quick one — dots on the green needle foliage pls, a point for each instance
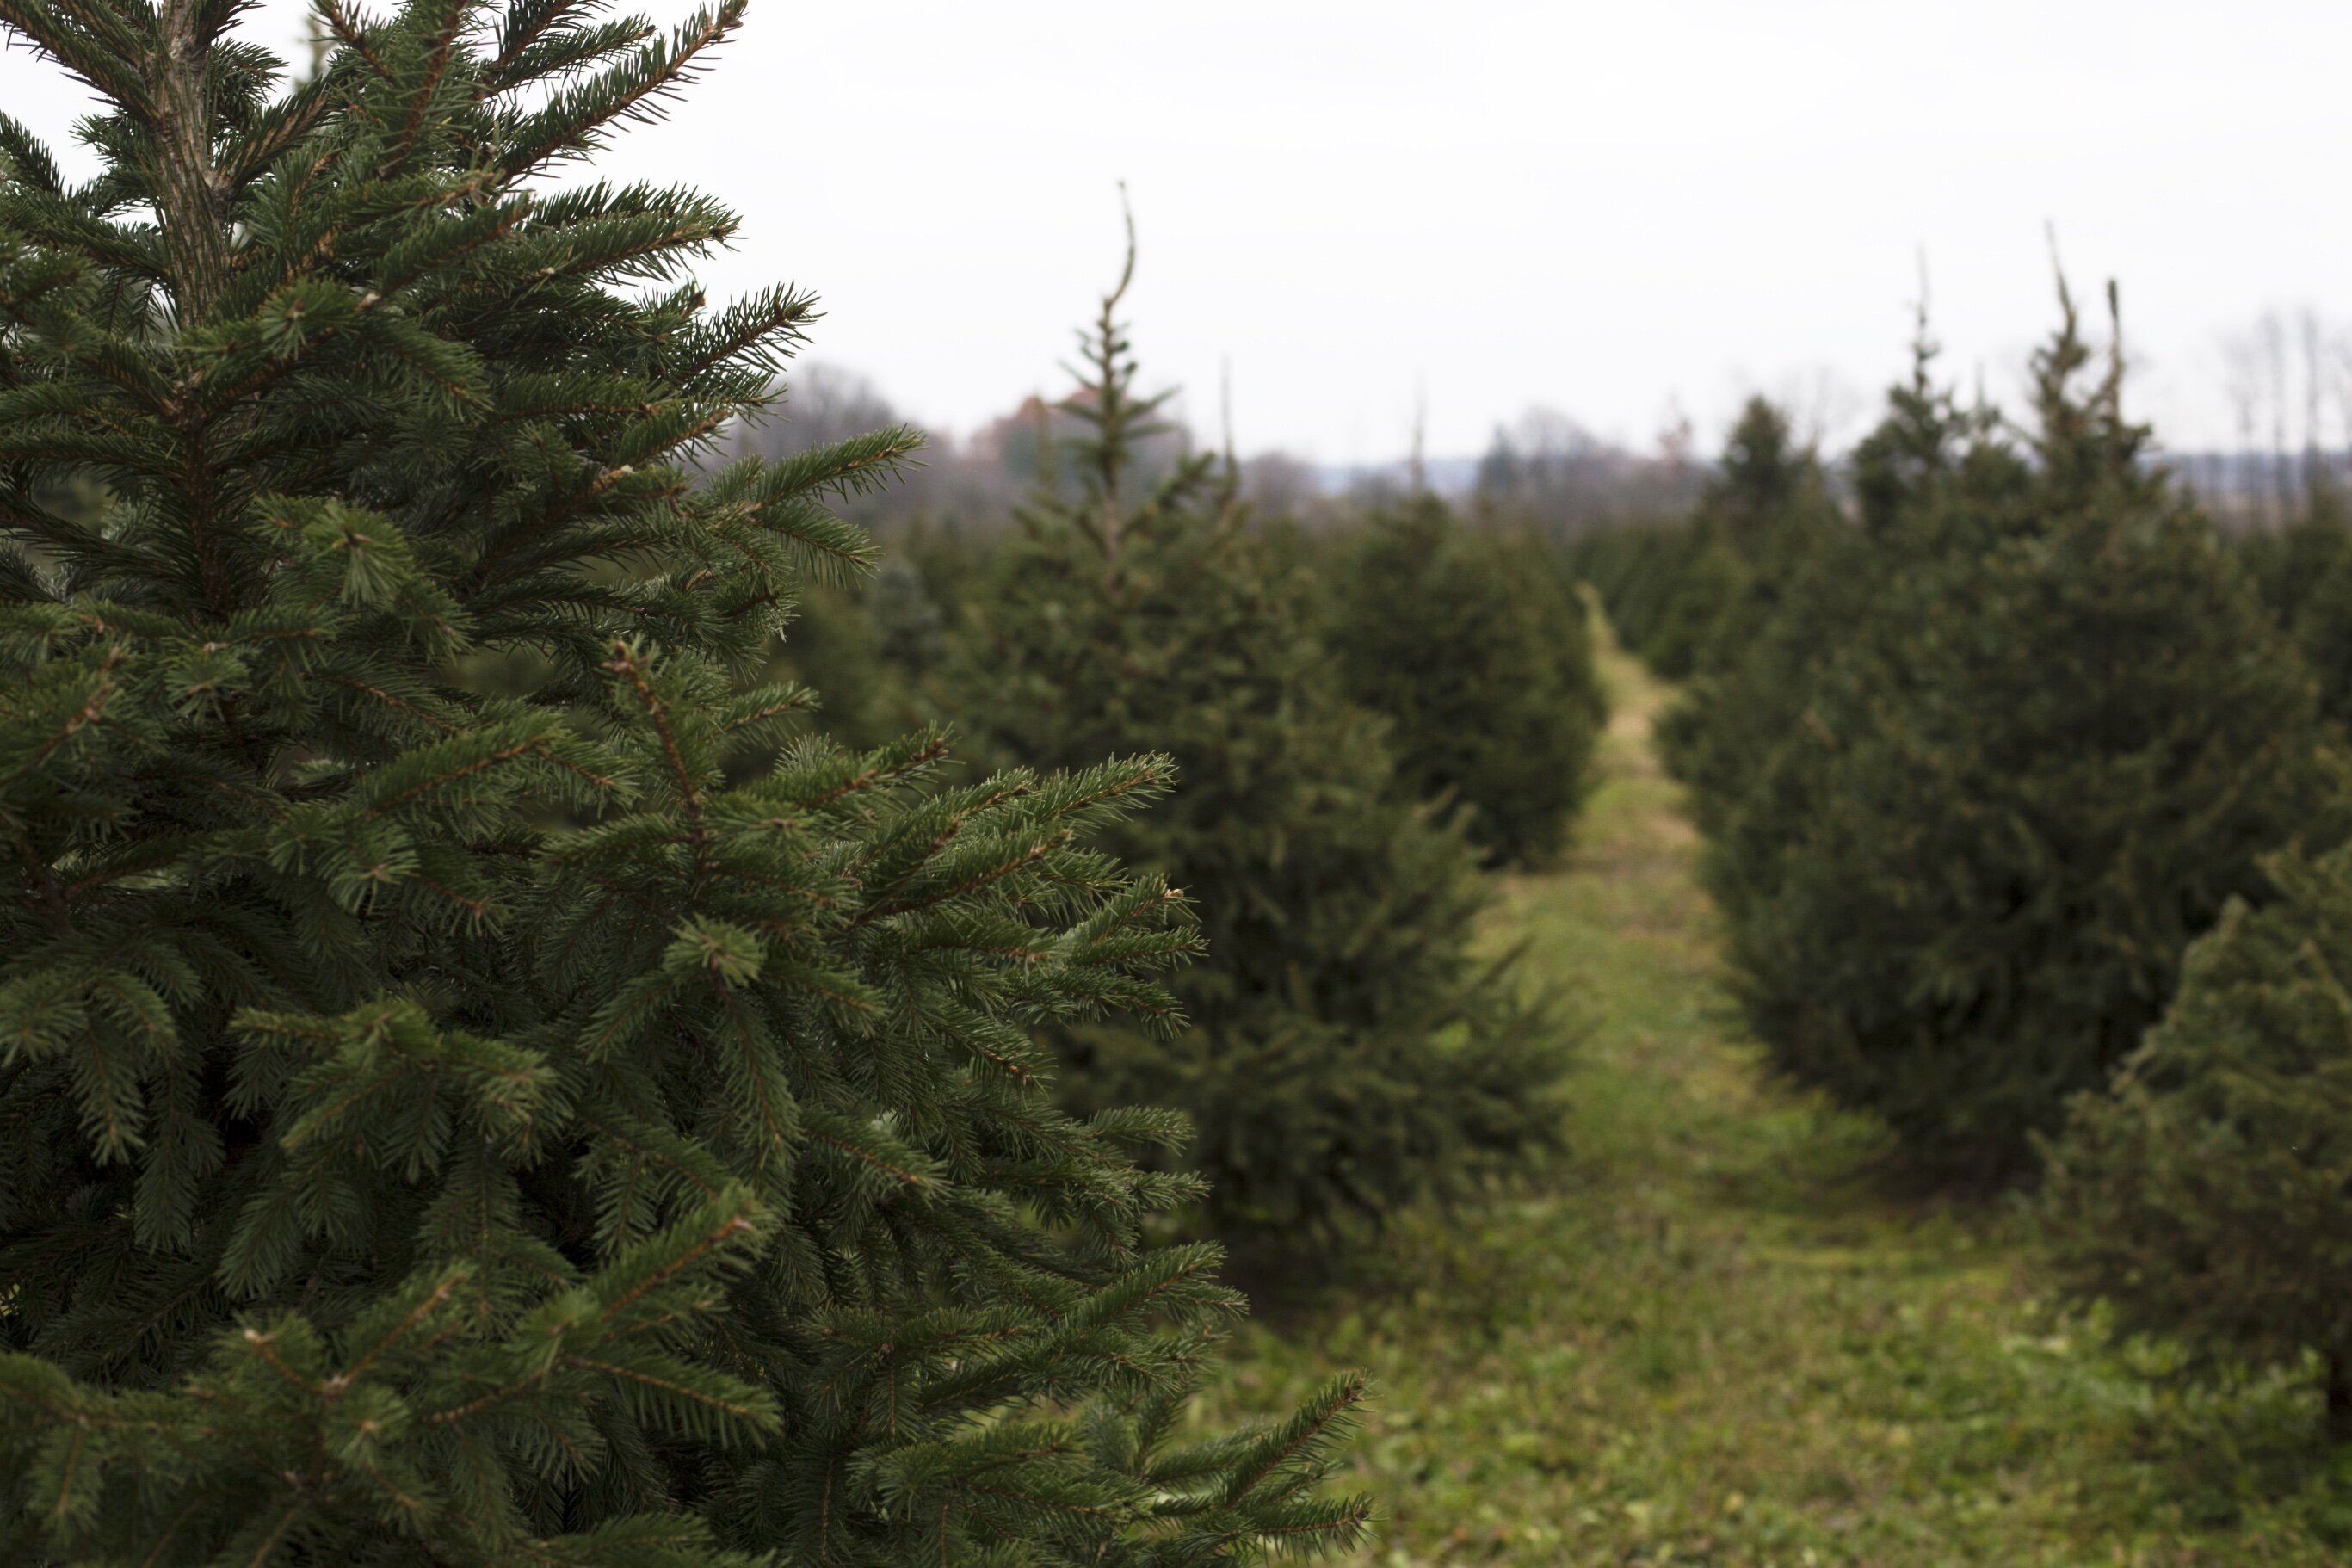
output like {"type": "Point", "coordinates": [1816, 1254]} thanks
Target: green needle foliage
{"type": "Point", "coordinates": [2003, 752]}
{"type": "Point", "coordinates": [1690, 596]}
{"type": "Point", "coordinates": [1805, 615]}
{"type": "Point", "coordinates": [1475, 650]}
{"type": "Point", "coordinates": [446, 1126]}
{"type": "Point", "coordinates": [2210, 1197]}
{"type": "Point", "coordinates": [1346, 1052]}
{"type": "Point", "coordinates": [1761, 516]}
{"type": "Point", "coordinates": [2304, 572]}
{"type": "Point", "coordinates": [1636, 568]}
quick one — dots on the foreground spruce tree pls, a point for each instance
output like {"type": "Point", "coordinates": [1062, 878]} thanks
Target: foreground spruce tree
{"type": "Point", "coordinates": [450, 1128]}
{"type": "Point", "coordinates": [1346, 1051]}
{"type": "Point", "coordinates": [2052, 732]}
{"type": "Point", "coordinates": [1472, 648]}
{"type": "Point", "coordinates": [2210, 1197]}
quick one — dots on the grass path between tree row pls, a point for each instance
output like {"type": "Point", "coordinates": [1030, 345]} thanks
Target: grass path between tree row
{"type": "Point", "coordinates": [1707, 1340]}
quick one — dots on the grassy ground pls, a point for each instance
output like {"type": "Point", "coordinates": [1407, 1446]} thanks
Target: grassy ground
{"type": "Point", "coordinates": [1709, 1342]}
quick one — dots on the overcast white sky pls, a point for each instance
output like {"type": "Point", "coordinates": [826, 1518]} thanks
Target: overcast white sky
{"type": "Point", "coordinates": [1606, 209]}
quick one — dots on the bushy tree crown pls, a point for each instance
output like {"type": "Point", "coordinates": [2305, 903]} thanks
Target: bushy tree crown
{"type": "Point", "coordinates": [443, 1120]}
{"type": "Point", "coordinates": [1472, 646]}
{"type": "Point", "coordinates": [2208, 1198]}
{"type": "Point", "coordinates": [1998, 759]}
{"type": "Point", "coordinates": [1347, 1050]}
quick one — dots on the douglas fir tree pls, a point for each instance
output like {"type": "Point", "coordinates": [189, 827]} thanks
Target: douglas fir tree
{"type": "Point", "coordinates": [453, 1128]}
{"type": "Point", "coordinates": [1346, 1051]}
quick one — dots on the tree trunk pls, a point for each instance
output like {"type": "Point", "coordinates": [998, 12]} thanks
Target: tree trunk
{"type": "Point", "coordinates": [188, 186]}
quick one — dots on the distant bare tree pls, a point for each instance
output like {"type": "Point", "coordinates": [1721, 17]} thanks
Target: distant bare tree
{"type": "Point", "coordinates": [1821, 405]}
{"type": "Point", "coordinates": [1276, 484]}
{"type": "Point", "coordinates": [972, 485]}
{"type": "Point", "coordinates": [2314, 376]}
{"type": "Point", "coordinates": [2243, 381]}
{"type": "Point", "coordinates": [1554, 472]}
{"type": "Point", "coordinates": [2340, 379]}
{"type": "Point", "coordinates": [2285, 369]}
{"type": "Point", "coordinates": [2274, 350]}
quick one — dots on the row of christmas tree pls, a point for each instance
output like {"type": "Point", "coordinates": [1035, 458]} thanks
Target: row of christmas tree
{"type": "Point", "coordinates": [1358, 721]}
{"type": "Point", "coordinates": [2025, 815]}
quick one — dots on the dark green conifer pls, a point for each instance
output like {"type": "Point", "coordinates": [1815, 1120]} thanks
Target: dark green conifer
{"type": "Point", "coordinates": [2304, 572]}
{"type": "Point", "coordinates": [1805, 609]}
{"type": "Point", "coordinates": [450, 1126]}
{"type": "Point", "coordinates": [1472, 646]}
{"type": "Point", "coordinates": [2050, 736]}
{"type": "Point", "coordinates": [2288, 565]}
{"type": "Point", "coordinates": [1347, 1050]}
{"type": "Point", "coordinates": [1765, 476]}
{"type": "Point", "coordinates": [2209, 1196]}
{"type": "Point", "coordinates": [865, 647]}
{"type": "Point", "coordinates": [1706, 581]}
{"type": "Point", "coordinates": [1750, 528]}
{"type": "Point", "coordinates": [1635, 568]}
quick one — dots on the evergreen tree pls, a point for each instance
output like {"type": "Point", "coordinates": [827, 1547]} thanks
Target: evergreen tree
{"type": "Point", "coordinates": [1475, 650]}
{"type": "Point", "coordinates": [2210, 1197]}
{"type": "Point", "coordinates": [2322, 630]}
{"type": "Point", "coordinates": [440, 1125]}
{"type": "Point", "coordinates": [1635, 568]}
{"type": "Point", "coordinates": [1751, 525]}
{"type": "Point", "coordinates": [1919, 447]}
{"type": "Point", "coordinates": [2288, 565]}
{"type": "Point", "coordinates": [2054, 735]}
{"type": "Point", "coordinates": [1768, 506]}
{"type": "Point", "coordinates": [1765, 476]}
{"type": "Point", "coordinates": [1706, 581]}
{"type": "Point", "coordinates": [1346, 1051]}
{"type": "Point", "coordinates": [2304, 572]}
{"type": "Point", "coordinates": [1807, 608]}
{"type": "Point", "coordinates": [866, 646]}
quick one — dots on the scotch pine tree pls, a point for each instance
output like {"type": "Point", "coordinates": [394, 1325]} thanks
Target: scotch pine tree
{"type": "Point", "coordinates": [456, 1127]}
{"type": "Point", "coordinates": [2209, 1197]}
{"type": "Point", "coordinates": [1346, 1051]}
{"type": "Point", "coordinates": [2052, 735]}
{"type": "Point", "coordinates": [1472, 648]}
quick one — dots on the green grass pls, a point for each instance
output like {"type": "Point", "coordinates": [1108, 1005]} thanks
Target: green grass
{"type": "Point", "coordinates": [1711, 1340]}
